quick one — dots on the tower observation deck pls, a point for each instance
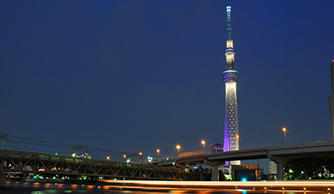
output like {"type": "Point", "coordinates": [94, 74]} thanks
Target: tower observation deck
{"type": "Point", "coordinates": [230, 75]}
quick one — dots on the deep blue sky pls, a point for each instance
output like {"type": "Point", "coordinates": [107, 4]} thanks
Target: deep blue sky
{"type": "Point", "coordinates": [134, 75]}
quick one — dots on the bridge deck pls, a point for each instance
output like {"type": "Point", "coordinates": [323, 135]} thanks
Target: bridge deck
{"type": "Point", "coordinates": [27, 163]}
{"type": "Point", "coordinates": [291, 151]}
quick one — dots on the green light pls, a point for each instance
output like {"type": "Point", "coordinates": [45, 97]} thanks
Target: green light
{"type": "Point", "coordinates": [291, 171]}
{"type": "Point", "coordinates": [84, 177]}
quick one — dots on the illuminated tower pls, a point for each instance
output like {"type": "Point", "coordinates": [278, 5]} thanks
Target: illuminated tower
{"type": "Point", "coordinates": [331, 100]}
{"type": "Point", "coordinates": [231, 135]}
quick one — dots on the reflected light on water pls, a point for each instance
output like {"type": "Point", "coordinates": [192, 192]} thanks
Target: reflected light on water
{"type": "Point", "coordinates": [90, 186]}
{"type": "Point", "coordinates": [106, 187]}
{"type": "Point", "coordinates": [74, 186]}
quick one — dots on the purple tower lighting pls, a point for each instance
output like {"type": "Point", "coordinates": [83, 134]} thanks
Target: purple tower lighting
{"type": "Point", "coordinates": [231, 133]}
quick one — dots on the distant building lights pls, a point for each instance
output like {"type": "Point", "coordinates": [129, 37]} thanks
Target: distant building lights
{"type": "Point", "coordinates": [149, 158]}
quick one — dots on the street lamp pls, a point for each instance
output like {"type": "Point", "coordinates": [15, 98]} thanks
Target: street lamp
{"type": "Point", "coordinates": [108, 158]}
{"type": "Point", "coordinates": [284, 131]}
{"type": "Point", "coordinates": [124, 156]}
{"type": "Point", "coordinates": [178, 147]}
{"type": "Point", "coordinates": [158, 152]}
{"type": "Point", "coordinates": [203, 143]}
{"type": "Point", "coordinates": [140, 157]}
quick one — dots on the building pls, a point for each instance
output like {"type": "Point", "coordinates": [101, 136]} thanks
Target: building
{"type": "Point", "coordinates": [218, 147]}
{"type": "Point", "coordinates": [244, 174]}
{"type": "Point", "coordinates": [230, 75]}
{"type": "Point", "coordinates": [254, 167]}
{"type": "Point", "coordinates": [272, 168]}
{"type": "Point", "coordinates": [331, 100]}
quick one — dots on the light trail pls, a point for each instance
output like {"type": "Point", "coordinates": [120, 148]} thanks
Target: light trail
{"type": "Point", "coordinates": [321, 183]}
{"type": "Point", "coordinates": [267, 186]}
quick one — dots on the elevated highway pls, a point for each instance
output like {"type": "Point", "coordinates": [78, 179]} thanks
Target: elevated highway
{"type": "Point", "coordinates": [279, 154]}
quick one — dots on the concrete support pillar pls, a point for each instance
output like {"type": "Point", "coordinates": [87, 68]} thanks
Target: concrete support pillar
{"type": "Point", "coordinates": [2, 179]}
{"type": "Point", "coordinates": [280, 168]}
{"type": "Point", "coordinates": [215, 173]}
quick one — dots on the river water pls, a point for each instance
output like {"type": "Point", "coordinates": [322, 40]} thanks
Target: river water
{"type": "Point", "coordinates": [90, 191]}
{"type": "Point", "coordinates": [54, 188]}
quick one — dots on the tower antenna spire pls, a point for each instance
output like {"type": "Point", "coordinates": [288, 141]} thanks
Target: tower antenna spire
{"type": "Point", "coordinates": [229, 22]}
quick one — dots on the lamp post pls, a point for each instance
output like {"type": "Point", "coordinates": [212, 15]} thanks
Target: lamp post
{"type": "Point", "coordinates": [124, 156]}
{"type": "Point", "coordinates": [178, 147]}
{"type": "Point", "coordinates": [203, 143]}
{"type": "Point", "coordinates": [158, 153]}
{"type": "Point", "coordinates": [140, 157]}
{"type": "Point", "coordinates": [284, 131]}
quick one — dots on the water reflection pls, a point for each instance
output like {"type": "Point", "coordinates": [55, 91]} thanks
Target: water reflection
{"type": "Point", "coordinates": [54, 188]}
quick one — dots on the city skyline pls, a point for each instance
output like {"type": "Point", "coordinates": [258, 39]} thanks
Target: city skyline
{"type": "Point", "coordinates": [93, 73]}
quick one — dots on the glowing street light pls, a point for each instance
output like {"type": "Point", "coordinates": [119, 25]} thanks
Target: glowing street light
{"type": "Point", "coordinates": [140, 157]}
{"type": "Point", "coordinates": [124, 156]}
{"type": "Point", "coordinates": [203, 143]}
{"type": "Point", "coordinates": [178, 147]}
{"type": "Point", "coordinates": [108, 157]}
{"type": "Point", "coordinates": [158, 152]}
{"type": "Point", "coordinates": [284, 131]}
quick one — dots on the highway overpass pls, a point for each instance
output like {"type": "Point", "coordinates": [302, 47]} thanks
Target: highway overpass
{"type": "Point", "coordinates": [279, 154]}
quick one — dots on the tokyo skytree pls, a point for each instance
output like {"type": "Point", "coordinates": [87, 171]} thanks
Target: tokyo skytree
{"type": "Point", "coordinates": [231, 133]}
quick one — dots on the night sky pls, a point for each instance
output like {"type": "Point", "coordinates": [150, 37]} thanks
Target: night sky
{"type": "Point", "coordinates": [136, 75]}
